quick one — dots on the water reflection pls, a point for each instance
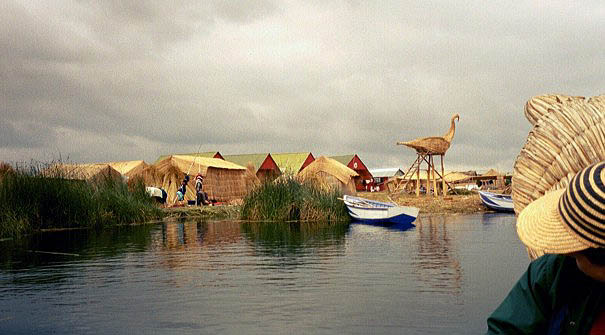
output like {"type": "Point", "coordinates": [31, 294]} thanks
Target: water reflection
{"type": "Point", "coordinates": [436, 264]}
{"type": "Point", "coordinates": [194, 276]}
{"type": "Point", "coordinates": [61, 247]}
{"type": "Point", "coordinates": [292, 237]}
{"type": "Point", "coordinates": [196, 244]}
{"type": "Point", "coordinates": [497, 218]}
{"type": "Point", "coordinates": [288, 244]}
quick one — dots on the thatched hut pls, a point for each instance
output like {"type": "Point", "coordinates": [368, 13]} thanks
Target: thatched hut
{"type": "Point", "coordinates": [355, 163]}
{"type": "Point", "coordinates": [88, 172]}
{"type": "Point", "coordinates": [492, 179]}
{"type": "Point", "coordinates": [329, 173]}
{"type": "Point", "coordinates": [128, 168]}
{"type": "Point", "coordinates": [207, 154]}
{"type": "Point", "coordinates": [223, 181]}
{"type": "Point", "coordinates": [460, 180]}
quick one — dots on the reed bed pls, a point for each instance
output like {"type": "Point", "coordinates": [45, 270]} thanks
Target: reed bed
{"type": "Point", "coordinates": [31, 200]}
{"type": "Point", "coordinates": [288, 199]}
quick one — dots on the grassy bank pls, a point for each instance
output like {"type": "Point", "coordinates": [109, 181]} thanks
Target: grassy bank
{"type": "Point", "coordinates": [288, 199]}
{"type": "Point", "coordinates": [30, 201]}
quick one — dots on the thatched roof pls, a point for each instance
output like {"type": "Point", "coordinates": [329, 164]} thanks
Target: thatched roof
{"type": "Point", "coordinates": [456, 177]}
{"type": "Point", "coordinates": [127, 167]}
{"type": "Point", "coordinates": [422, 175]}
{"type": "Point", "coordinates": [291, 162]}
{"type": "Point", "coordinates": [330, 173]}
{"type": "Point", "coordinates": [88, 172]}
{"type": "Point", "coordinates": [493, 173]}
{"type": "Point", "coordinates": [331, 166]}
{"type": "Point", "coordinates": [208, 154]}
{"type": "Point", "coordinates": [193, 163]}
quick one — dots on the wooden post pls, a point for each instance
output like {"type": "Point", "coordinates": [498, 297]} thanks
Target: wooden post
{"type": "Point", "coordinates": [418, 177]}
{"type": "Point", "coordinates": [428, 177]}
{"type": "Point", "coordinates": [443, 177]}
{"type": "Point", "coordinates": [434, 178]}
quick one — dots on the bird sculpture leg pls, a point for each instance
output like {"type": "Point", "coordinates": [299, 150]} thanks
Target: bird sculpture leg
{"type": "Point", "coordinates": [434, 179]}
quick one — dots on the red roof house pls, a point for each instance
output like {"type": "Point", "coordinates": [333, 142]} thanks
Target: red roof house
{"type": "Point", "coordinates": [354, 162]}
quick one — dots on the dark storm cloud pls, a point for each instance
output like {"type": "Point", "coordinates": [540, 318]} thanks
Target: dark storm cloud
{"type": "Point", "coordinates": [116, 80]}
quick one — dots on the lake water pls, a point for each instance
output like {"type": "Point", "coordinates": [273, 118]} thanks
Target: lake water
{"type": "Point", "coordinates": [444, 276]}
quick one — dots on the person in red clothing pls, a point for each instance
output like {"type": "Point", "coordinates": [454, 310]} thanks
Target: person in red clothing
{"type": "Point", "coordinates": [562, 292]}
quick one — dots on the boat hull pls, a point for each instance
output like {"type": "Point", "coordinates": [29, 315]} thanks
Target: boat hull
{"type": "Point", "coordinates": [497, 202]}
{"type": "Point", "coordinates": [376, 212]}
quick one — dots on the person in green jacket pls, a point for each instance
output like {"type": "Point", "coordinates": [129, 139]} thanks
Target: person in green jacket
{"type": "Point", "coordinates": [562, 292]}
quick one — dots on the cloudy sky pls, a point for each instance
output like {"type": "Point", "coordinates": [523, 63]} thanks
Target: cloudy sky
{"type": "Point", "coordinates": [92, 81]}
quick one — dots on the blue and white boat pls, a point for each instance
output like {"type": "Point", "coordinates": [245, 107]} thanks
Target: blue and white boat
{"type": "Point", "coordinates": [496, 201]}
{"type": "Point", "coordinates": [377, 212]}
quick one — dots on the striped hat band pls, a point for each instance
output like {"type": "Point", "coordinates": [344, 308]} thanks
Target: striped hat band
{"type": "Point", "coordinates": [582, 206]}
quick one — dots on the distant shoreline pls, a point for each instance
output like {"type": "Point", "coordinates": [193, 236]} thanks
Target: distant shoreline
{"type": "Point", "coordinates": [451, 204]}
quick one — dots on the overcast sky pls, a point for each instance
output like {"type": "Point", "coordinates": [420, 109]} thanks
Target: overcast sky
{"type": "Point", "coordinates": [92, 81]}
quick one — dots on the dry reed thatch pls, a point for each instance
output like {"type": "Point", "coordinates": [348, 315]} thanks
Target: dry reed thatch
{"type": "Point", "coordinates": [568, 135]}
{"type": "Point", "coordinates": [89, 172]}
{"type": "Point", "coordinates": [328, 174]}
{"type": "Point", "coordinates": [436, 145]}
{"type": "Point", "coordinates": [127, 168]}
{"type": "Point", "coordinates": [250, 178]}
{"type": "Point", "coordinates": [492, 173]}
{"type": "Point", "coordinates": [223, 181]}
{"type": "Point", "coordinates": [456, 177]}
{"type": "Point", "coordinates": [5, 169]}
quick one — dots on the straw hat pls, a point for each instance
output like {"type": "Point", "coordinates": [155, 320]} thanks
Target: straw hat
{"type": "Point", "coordinates": [567, 220]}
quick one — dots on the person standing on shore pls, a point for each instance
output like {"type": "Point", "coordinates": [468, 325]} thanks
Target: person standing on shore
{"type": "Point", "coordinates": [201, 198]}
{"type": "Point", "coordinates": [182, 190]}
{"type": "Point", "coordinates": [562, 292]}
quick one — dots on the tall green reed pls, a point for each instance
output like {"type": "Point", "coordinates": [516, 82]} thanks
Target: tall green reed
{"type": "Point", "coordinates": [31, 200]}
{"type": "Point", "coordinates": [287, 199]}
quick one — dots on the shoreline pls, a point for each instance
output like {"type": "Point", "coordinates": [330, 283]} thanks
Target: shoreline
{"type": "Point", "coordinates": [449, 205]}
{"type": "Point", "coordinates": [429, 206]}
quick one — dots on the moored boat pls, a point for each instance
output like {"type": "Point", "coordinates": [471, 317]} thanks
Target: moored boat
{"type": "Point", "coordinates": [378, 212]}
{"type": "Point", "coordinates": [496, 201]}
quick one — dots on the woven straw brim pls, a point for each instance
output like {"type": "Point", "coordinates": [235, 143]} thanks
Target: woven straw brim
{"type": "Point", "coordinates": [540, 227]}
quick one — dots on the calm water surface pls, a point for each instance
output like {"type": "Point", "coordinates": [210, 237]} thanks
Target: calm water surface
{"type": "Point", "coordinates": [443, 276]}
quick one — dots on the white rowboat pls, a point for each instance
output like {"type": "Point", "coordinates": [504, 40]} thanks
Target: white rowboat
{"type": "Point", "coordinates": [373, 212]}
{"type": "Point", "coordinates": [497, 202]}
